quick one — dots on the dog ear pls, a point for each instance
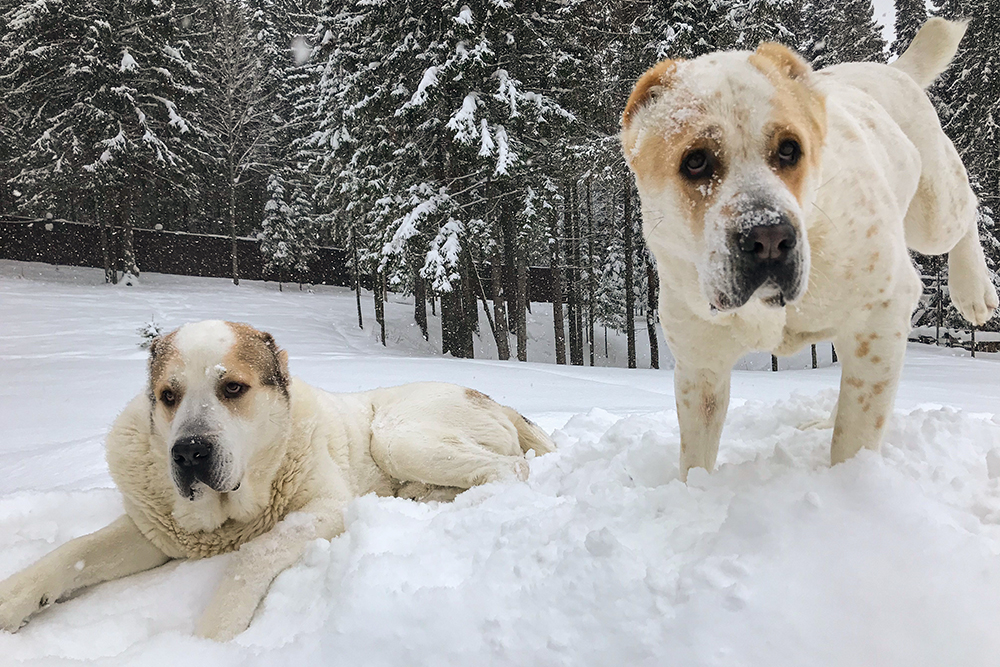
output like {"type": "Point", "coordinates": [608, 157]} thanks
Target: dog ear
{"type": "Point", "coordinates": [280, 371]}
{"type": "Point", "coordinates": [656, 78]}
{"type": "Point", "coordinates": [786, 61]}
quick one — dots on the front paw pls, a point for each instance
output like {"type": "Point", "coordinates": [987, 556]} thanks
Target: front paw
{"type": "Point", "coordinates": [224, 619]}
{"type": "Point", "coordinates": [20, 597]}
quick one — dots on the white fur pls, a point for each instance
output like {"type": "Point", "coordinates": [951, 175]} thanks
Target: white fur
{"type": "Point", "coordinates": [889, 178]}
{"type": "Point", "coordinates": [427, 440]}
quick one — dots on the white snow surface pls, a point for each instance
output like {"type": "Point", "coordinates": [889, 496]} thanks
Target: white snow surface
{"type": "Point", "coordinates": [603, 557]}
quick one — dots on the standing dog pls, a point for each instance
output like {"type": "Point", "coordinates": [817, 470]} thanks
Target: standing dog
{"type": "Point", "coordinates": [779, 203]}
{"type": "Point", "coordinates": [226, 452]}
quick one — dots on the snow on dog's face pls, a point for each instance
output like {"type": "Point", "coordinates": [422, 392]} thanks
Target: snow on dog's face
{"type": "Point", "coordinates": [219, 394]}
{"type": "Point", "coordinates": [726, 153]}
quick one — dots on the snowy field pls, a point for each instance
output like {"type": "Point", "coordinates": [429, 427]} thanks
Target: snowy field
{"type": "Point", "coordinates": [602, 558]}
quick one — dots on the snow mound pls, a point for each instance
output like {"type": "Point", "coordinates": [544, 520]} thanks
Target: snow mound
{"type": "Point", "coordinates": [602, 557]}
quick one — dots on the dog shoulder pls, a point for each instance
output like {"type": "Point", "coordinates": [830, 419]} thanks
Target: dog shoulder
{"type": "Point", "coordinates": [130, 434]}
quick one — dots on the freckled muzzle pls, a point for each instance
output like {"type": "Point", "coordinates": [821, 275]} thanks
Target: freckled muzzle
{"type": "Point", "coordinates": [764, 253]}
{"type": "Point", "coordinates": [197, 459]}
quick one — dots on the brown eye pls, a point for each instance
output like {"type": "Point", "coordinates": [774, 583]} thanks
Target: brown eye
{"type": "Point", "coordinates": [233, 389]}
{"type": "Point", "coordinates": [168, 398]}
{"type": "Point", "coordinates": [696, 165]}
{"type": "Point", "coordinates": [789, 153]}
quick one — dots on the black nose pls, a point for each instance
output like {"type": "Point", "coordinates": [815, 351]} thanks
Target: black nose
{"type": "Point", "coordinates": [192, 452]}
{"type": "Point", "coordinates": [769, 244]}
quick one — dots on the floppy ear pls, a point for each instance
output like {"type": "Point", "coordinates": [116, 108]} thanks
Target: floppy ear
{"type": "Point", "coordinates": [280, 359]}
{"type": "Point", "coordinates": [786, 61]}
{"type": "Point", "coordinates": [656, 77]}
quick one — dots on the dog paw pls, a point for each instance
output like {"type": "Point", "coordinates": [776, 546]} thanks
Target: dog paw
{"type": "Point", "coordinates": [973, 294]}
{"type": "Point", "coordinates": [817, 424]}
{"type": "Point", "coordinates": [20, 597]}
{"type": "Point", "coordinates": [223, 625]}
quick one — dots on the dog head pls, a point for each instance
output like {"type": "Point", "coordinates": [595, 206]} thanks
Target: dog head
{"type": "Point", "coordinates": [726, 154]}
{"type": "Point", "coordinates": [219, 398]}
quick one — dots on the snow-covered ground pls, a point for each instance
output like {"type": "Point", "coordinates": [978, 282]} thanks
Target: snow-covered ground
{"type": "Point", "coordinates": [602, 558]}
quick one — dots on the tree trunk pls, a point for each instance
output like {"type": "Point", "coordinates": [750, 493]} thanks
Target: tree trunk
{"type": "Point", "coordinates": [130, 267]}
{"type": "Point", "coordinates": [379, 303]}
{"type": "Point", "coordinates": [451, 321]}
{"type": "Point", "coordinates": [470, 303]}
{"type": "Point", "coordinates": [774, 363]}
{"type": "Point", "coordinates": [833, 352]}
{"type": "Point", "coordinates": [357, 275]}
{"type": "Point", "coordinates": [232, 224]}
{"type": "Point", "coordinates": [591, 272]}
{"type": "Point", "coordinates": [420, 303]}
{"type": "Point", "coordinates": [572, 303]}
{"type": "Point", "coordinates": [556, 282]}
{"type": "Point", "coordinates": [499, 312]}
{"type": "Point", "coordinates": [651, 291]}
{"type": "Point", "coordinates": [521, 306]}
{"type": "Point", "coordinates": [815, 363]}
{"type": "Point", "coordinates": [629, 271]}
{"type": "Point", "coordinates": [508, 243]}
{"type": "Point", "coordinates": [110, 274]}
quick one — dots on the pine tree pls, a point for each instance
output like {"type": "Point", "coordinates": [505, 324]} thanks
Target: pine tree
{"type": "Point", "coordinates": [287, 237]}
{"type": "Point", "coordinates": [838, 32]}
{"type": "Point", "coordinates": [910, 15]}
{"type": "Point", "coordinates": [99, 91]}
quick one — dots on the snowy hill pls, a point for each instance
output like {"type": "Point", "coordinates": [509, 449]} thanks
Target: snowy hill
{"type": "Point", "coordinates": [602, 558]}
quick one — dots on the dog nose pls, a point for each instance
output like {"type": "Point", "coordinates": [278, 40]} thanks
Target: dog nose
{"type": "Point", "coordinates": [769, 244]}
{"type": "Point", "coordinates": [191, 452]}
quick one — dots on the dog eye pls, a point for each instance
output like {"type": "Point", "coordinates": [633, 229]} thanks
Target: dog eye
{"type": "Point", "coordinates": [233, 389]}
{"type": "Point", "coordinates": [168, 397]}
{"type": "Point", "coordinates": [789, 153]}
{"type": "Point", "coordinates": [696, 165]}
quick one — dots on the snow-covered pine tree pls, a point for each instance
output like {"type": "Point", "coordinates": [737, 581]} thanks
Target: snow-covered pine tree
{"type": "Point", "coordinates": [680, 28]}
{"type": "Point", "coordinates": [287, 236]}
{"type": "Point", "coordinates": [837, 32]}
{"type": "Point", "coordinates": [99, 91]}
{"type": "Point", "coordinates": [754, 21]}
{"type": "Point", "coordinates": [240, 74]}
{"type": "Point", "coordinates": [910, 15]}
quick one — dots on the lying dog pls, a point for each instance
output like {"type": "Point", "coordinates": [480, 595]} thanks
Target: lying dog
{"type": "Point", "coordinates": [779, 203]}
{"type": "Point", "coordinates": [225, 452]}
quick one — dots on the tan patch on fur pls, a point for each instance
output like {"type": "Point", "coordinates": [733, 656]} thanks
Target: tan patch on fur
{"type": "Point", "coordinates": [862, 350]}
{"type": "Point", "coordinates": [871, 231]}
{"type": "Point", "coordinates": [478, 397]}
{"type": "Point", "coordinates": [879, 421]}
{"type": "Point", "coordinates": [798, 112]}
{"type": "Point", "coordinates": [879, 387]}
{"type": "Point", "coordinates": [161, 353]}
{"type": "Point", "coordinates": [854, 382]}
{"type": "Point", "coordinates": [876, 360]}
{"type": "Point", "coordinates": [254, 360]}
{"type": "Point", "coordinates": [658, 75]}
{"type": "Point", "coordinates": [162, 356]}
{"type": "Point", "coordinates": [708, 406]}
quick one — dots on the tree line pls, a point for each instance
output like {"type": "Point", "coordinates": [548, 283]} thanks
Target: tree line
{"type": "Point", "coordinates": [447, 145]}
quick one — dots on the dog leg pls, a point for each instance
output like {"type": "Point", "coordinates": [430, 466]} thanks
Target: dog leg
{"type": "Point", "coordinates": [113, 552]}
{"type": "Point", "coordinates": [450, 458]}
{"type": "Point", "coordinates": [255, 565]}
{"type": "Point", "coordinates": [872, 360]}
{"type": "Point", "coordinates": [702, 401]}
{"type": "Point", "coordinates": [969, 280]}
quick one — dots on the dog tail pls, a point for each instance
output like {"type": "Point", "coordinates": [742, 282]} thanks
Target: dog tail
{"type": "Point", "coordinates": [529, 434]}
{"type": "Point", "coordinates": [931, 50]}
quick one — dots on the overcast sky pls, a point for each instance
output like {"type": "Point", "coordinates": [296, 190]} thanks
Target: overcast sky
{"type": "Point", "coordinates": [885, 13]}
